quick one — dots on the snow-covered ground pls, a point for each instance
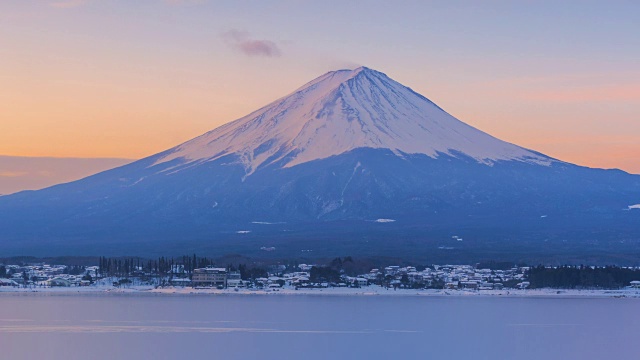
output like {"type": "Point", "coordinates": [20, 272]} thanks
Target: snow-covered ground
{"type": "Point", "coordinates": [364, 291]}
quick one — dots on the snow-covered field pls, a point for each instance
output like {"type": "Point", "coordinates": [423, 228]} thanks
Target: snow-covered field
{"type": "Point", "coordinates": [364, 291]}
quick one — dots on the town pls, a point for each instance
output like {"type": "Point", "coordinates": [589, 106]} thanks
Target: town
{"type": "Point", "coordinates": [117, 273]}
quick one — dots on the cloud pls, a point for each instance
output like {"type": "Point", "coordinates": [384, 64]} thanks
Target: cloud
{"type": "Point", "coordinates": [45, 173]}
{"type": "Point", "coordinates": [572, 88]}
{"type": "Point", "coordinates": [242, 41]}
{"type": "Point", "coordinates": [12, 173]}
{"type": "Point", "coordinates": [603, 93]}
{"type": "Point", "coordinates": [184, 2]}
{"type": "Point", "coordinates": [67, 4]}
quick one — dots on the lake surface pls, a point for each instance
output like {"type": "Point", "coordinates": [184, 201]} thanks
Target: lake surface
{"type": "Point", "coordinates": [112, 326]}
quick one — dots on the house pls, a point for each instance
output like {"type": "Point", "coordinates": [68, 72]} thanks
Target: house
{"type": "Point", "coordinates": [18, 278]}
{"type": "Point", "coordinates": [180, 282]}
{"type": "Point", "coordinates": [301, 280]}
{"type": "Point", "coordinates": [485, 286]}
{"type": "Point", "coordinates": [391, 270]}
{"type": "Point", "coordinates": [58, 281]}
{"type": "Point", "coordinates": [276, 280]}
{"type": "Point", "coordinates": [469, 285]}
{"type": "Point", "coordinates": [8, 282]}
{"type": "Point", "coordinates": [305, 267]}
{"type": "Point", "coordinates": [451, 285]}
{"type": "Point", "coordinates": [234, 279]}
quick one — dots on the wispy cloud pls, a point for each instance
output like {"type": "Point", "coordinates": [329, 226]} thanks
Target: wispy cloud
{"type": "Point", "coordinates": [67, 4]}
{"type": "Point", "coordinates": [575, 94]}
{"type": "Point", "coordinates": [13, 173]}
{"type": "Point", "coordinates": [183, 2]}
{"type": "Point", "coordinates": [242, 41]}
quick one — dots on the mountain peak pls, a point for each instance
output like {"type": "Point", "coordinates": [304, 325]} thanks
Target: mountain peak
{"type": "Point", "coordinates": [364, 71]}
{"type": "Point", "coordinates": [334, 79]}
{"type": "Point", "coordinates": [355, 71]}
{"type": "Point", "coordinates": [341, 111]}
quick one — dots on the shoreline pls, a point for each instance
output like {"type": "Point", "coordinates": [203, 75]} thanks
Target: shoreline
{"type": "Point", "coordinates": [366, 291]}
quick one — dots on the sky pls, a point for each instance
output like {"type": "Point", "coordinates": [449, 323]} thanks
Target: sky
{"type": "Point", "coordinates": [127, 79]}
{"type": "Point", "coordinates": [33, 173]}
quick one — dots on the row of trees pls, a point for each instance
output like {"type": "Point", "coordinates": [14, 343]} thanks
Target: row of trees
{"type": "Point", "coordinates": [250, 273]}
{"type": "Point", "coordinates": [161, 266]}
{"type": "Point", "coordinates": [319, 274]}
{"type": "Point", "coordinates": [581, 277]}
{"type": "Point", "coordinates": [168, 266]}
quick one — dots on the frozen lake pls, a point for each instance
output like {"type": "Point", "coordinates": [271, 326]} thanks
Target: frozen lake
{"type": "Point", "coordinates": [116, 326]}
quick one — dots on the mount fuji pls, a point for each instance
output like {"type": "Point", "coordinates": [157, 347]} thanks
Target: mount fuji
{"type": "Point", "coordinates": [342, 111]}
{"type": "Point", "coordinates": [354, 163]}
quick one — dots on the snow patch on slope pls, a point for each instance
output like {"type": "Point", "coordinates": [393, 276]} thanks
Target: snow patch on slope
{"type": "Point", "coordinates": [383, 221]}
{"type": "Point", "coordinates": [341, 111]}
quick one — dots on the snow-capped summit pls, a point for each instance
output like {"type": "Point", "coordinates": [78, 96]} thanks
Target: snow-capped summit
{"type": "Point", "coordinates": [341, 111]}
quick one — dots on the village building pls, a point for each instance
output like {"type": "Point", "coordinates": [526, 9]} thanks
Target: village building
{"type": "Point", "coordinates": [58, 281]}
{"type": "Point", "coordinates": [7, 282]}
{"type": "Point", "coordinates": [209, 277]}
{"type": "Point", "coordinates": [234, 279]}
{"type": "Point", "coordinates": [180, 282]}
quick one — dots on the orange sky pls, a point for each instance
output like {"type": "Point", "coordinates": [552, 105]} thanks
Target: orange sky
{"type": "Point", "coordinates": [107, 79]}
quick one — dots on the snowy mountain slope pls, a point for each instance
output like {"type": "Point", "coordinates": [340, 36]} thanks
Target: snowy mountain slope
{"type": "Point", "coordinates": [341, 111]}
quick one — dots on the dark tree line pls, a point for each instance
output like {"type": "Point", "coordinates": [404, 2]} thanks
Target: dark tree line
{"type": "Point", "coordinates": [183, 266]}
{"type": "Point", "coordinates": [118, 267]}
{"type": "Point", "coordinates": [160, 266]}
{"type": "Point", "coordinates": [582, 277]}
{"type": "Point", "coordinates": [497, 265]}
{"type": "Point", "coordinates": [319, 274]}
{"type": "Point", "coordinates": [247, 273]}
{"type": "Point", "coordinates": [332, 272]}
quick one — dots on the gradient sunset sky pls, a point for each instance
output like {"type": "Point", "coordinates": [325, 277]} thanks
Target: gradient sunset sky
{"type": "Point", "coordinates": [127, 79]}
